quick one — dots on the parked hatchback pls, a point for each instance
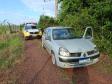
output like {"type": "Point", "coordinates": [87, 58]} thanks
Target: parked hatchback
{"type": "Point", "coordinates": [67, 49]}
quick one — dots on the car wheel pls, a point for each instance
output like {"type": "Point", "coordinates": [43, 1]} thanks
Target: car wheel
{"type": "Point", "coordinates": [53, 59]}
{"type": "Point", "coordinates": [38, 37]}
{"type": "Point", "coordinates": [25, 38]}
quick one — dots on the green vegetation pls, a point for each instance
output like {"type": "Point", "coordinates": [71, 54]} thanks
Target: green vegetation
{"type": "Point", "coordinates": [46, 21]}
{"type": "Point", "coordinates": [11, 47]}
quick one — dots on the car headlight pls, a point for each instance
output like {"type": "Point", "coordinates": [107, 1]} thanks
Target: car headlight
{"type": "Point", "coordinates": [63, 52]}
{"type": "Point", "coordinates": [27, 33]}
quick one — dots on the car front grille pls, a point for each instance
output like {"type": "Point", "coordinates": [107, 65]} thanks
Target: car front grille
{"type": "Point", "coordinates": [34, 32]}
{"type": "Point", "coordinates": [77, 60]}
{"type": "Point", "coordinates": [75, 54]}
{"type": "Point", "coordinates": [90, 52]}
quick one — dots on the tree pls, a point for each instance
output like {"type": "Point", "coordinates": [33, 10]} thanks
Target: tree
{"type": "Point", "coordinates": [46, 21]}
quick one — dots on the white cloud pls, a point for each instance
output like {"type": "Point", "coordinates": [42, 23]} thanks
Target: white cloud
{"type": "Point", "coordinates": [16, 17]}
{"type": "Point", "coordinates": [39, 5]}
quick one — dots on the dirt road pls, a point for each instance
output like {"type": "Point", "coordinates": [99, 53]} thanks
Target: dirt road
{"type": "Point", "coordinates": [37, 68]}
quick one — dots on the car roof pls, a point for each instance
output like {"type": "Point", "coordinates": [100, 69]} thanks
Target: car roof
{"type": "Point", "coordinates": [60, 27]}
{"type": "Point", "coordinates": [30, 25]}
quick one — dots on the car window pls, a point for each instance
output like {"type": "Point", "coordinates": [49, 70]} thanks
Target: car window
{"type": "Point", "coordinates": [33, 27]}
{"type": "Point", "coordinates": [48, 33]}
{"type": "Point", "coordinates": [88, 33]}
{"type": "Point", "coordinates": [30, 27]}
{"type": "Point", "coordinates": [66, 33]}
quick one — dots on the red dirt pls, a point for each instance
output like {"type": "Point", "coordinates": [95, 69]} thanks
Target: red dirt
{"type": "Point", "coordinates": [37, 68]}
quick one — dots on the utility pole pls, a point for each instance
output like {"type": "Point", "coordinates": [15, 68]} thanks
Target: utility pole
{"type": "Point", "coordinates": [56, 8]}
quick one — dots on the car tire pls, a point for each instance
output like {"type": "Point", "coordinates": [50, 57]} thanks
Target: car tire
{"type": "Point", "coordinates": [25, 38]}
{"type": "Point", "coordinates": [38, 37]}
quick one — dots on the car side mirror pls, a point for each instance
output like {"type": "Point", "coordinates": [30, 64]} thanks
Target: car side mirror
{"type": "Point", "coordinates": [48, 38]}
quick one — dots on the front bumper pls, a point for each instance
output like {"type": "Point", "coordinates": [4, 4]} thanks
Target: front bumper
{"type": "Point", "coordinates": [71, 63]}
{"type": "Point", "coordinates": [33, 36]}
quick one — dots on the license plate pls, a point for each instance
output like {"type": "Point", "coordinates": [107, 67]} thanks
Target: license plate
{"type": "Point", "coordinates": [82, 61]}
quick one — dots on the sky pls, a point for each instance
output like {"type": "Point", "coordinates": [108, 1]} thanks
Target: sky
{"type": "Point", "coordinates": [20, 11]}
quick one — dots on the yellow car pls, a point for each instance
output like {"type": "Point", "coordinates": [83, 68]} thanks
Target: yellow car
{"type": "Point", "coordinates": [31, 31]}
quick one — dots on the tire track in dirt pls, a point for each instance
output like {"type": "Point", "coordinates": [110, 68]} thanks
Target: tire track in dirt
{"type": "Point", "coordinates": [38, 68]}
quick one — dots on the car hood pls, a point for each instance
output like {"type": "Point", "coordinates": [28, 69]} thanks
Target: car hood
{"type": "Point", "coordinates": [32, 30]}
{"type": "Point", "coordinates": [76, 45]}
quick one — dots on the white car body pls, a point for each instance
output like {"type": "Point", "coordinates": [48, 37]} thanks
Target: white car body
{"type": "Point", "coordinates": [80, 51]}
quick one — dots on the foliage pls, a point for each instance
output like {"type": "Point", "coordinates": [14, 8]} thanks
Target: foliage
{"type": "Point", "coordinates": [46, 21]}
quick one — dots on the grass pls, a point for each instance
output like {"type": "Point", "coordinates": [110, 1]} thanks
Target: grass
{"type": "Point", "coordinates": [11, 48]}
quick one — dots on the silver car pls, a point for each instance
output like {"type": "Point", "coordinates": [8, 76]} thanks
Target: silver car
{"type": "Point", "coordinates": [67, 49]}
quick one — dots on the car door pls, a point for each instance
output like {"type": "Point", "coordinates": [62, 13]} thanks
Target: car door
{"type": "Point", "coordinates": [88, 34]}
{"type": "Point", "coordinates": [48, 40]}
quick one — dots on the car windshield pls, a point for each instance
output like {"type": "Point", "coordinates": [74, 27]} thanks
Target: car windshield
{"type": "Point", "coordinates": [30, 27]}
{"type": "Point", "coordinates": [66, 33]}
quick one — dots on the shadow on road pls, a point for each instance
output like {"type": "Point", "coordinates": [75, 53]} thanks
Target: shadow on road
{"type": "Point", "coordinates": [78, 75]}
